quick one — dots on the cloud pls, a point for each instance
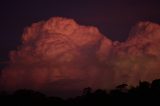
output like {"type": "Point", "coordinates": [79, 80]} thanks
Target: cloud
{"type": "Point", "coordinates": [55, 51]}
{"type": "Point", "coordinates": [138, 57]}
{"type": "Point", "coordinates": [60, 55]}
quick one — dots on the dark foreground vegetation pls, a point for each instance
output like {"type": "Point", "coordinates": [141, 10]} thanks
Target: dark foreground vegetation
{"type": "Point", "coordinates": [144, 94]}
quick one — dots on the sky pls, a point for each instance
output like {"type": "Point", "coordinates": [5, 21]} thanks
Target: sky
{"type": "Point", "coordinates": [114, 20]}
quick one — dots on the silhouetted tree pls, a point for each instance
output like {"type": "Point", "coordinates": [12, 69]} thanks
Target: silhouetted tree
{"type": "Point", "coordinates": [143, 94]}
{"type": "Point", "coordinates": [155, 84]}
{"type": "Point", "coordinates": [87, 91]}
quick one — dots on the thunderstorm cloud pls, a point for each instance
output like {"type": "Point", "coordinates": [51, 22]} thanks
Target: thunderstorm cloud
{"type": "Point", "coordinates": [59, 55]}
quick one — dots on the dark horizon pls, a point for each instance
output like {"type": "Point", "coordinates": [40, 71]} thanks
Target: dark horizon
{"type": "Point", "coordinates": [144, 94]}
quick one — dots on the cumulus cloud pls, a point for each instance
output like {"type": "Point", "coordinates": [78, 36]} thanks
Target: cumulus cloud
{"type": "Point", "coordinates": [138, 57]}
{"type": "Point", "coordinates": [60, 55]}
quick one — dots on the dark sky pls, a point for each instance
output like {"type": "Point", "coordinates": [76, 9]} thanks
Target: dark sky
{"type": "Point", "coordinates": [114, 18]}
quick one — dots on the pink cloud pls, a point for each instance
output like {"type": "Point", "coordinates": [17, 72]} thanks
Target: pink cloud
{"type": "Point", "coordinates": [60, 55]}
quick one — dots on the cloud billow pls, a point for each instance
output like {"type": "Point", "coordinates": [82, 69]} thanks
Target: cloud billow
{"type": "Point", "coordinates": [60, 55]}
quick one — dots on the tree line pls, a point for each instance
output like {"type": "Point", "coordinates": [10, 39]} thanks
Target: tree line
{"type": "Point", "coordinates": [144, 94]}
